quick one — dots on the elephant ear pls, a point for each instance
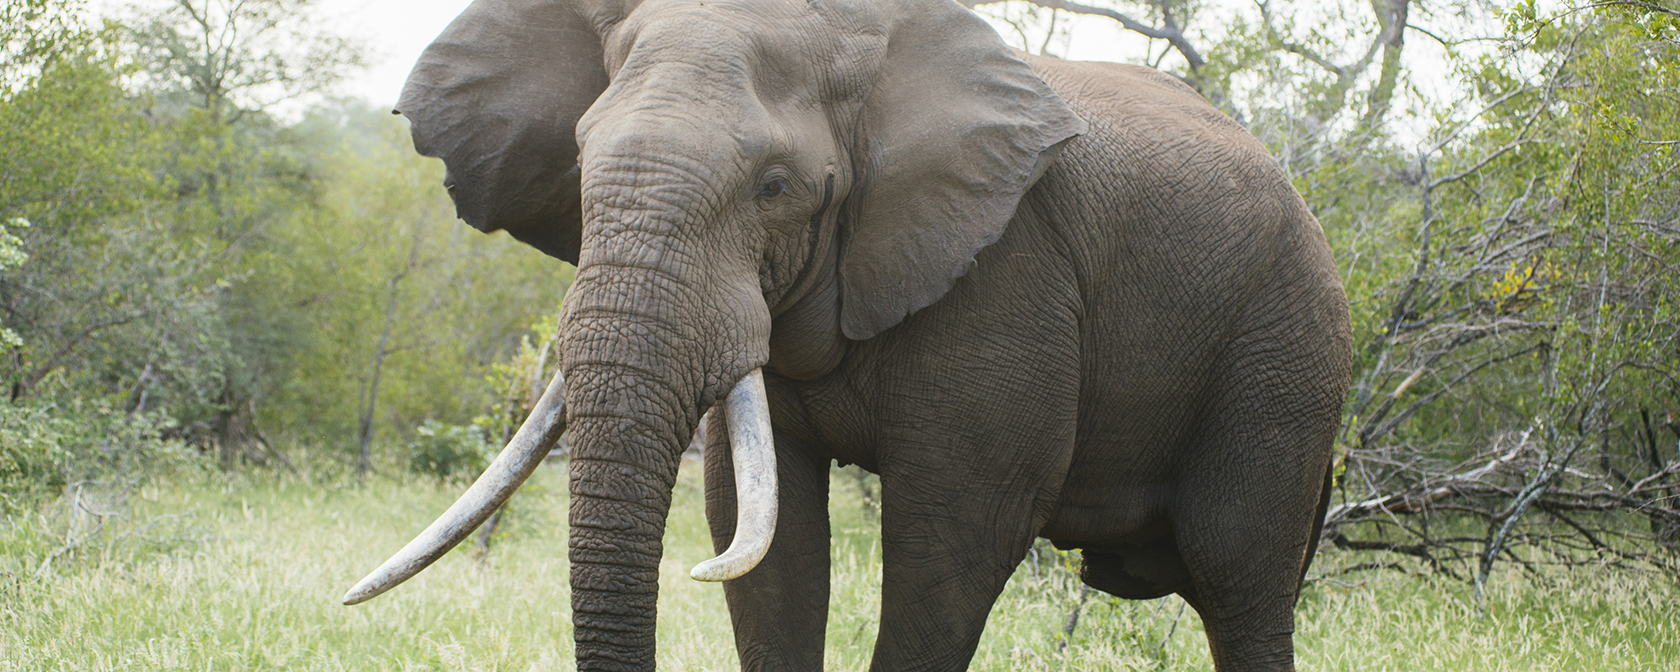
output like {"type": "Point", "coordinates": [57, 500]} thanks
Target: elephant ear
{"type": "Point", "coordinates": [955, 130]}
{"type": "Point", "coordinates": [497, 96]}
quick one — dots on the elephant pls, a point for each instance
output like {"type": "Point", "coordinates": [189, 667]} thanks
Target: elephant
{"type": "Point", "coordinates": [1040, 298]}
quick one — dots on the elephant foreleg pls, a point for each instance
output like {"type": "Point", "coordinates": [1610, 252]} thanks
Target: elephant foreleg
{"type": "Point", "coordinates": [780, 608]}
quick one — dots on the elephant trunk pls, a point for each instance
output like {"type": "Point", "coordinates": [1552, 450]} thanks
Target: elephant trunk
{"type": "Point", "coordinates": [648, 346]}
{"type": "Point", "coordinates": [622, 474]}
{"type": "Point", "coordinates": [618, 513]}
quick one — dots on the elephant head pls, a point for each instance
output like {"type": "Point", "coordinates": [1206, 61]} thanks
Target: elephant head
{"type": "Point", "coordinates": [741, 183]}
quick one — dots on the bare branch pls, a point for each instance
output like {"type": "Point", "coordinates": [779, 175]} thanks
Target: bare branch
{"type": "Point", "coordinates": [1389, 41]}
{"type": "Point", "coordinates": [1414, 500]}
{"type": "Point", "coordinates": [1634, 3]}
{"type": "Point", "coordinates": [1169, 32]}
{"type": "Point", "coordinates": [1480, 164]}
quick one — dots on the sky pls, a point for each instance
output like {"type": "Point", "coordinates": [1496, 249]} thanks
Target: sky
{"type": "Point", "coordinates": [394, 33]}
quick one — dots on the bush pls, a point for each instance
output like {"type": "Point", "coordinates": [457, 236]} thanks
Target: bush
{"type": "Point", "coordinates": [32, 456]}
{"type": "Point", "coordinates": [448, 452]}
{"type": "Point", "coordinates": [45, 449]}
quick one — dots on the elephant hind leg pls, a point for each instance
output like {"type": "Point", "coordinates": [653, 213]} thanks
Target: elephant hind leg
{"type": "Point", "coordinates": [1250, 502]}
{"type": "Point", "coordinates": [1244, 521]}
{"type": "Point", "coordinates": [1244, 550]}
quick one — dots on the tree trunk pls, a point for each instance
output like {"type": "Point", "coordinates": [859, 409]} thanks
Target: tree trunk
{"type": "Point", "coordinates": [370, 403]}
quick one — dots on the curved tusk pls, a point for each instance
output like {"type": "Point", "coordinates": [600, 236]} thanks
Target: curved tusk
{"type": "Point", "coordinates": [754, 454]}
{"type": "Point", "coordinates": [492, 489]}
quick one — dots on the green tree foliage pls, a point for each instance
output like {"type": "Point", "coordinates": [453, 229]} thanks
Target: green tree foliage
{"type": "Point", "coordinates": [448, 452]}
{"type": "Point", "coordinates": [384, 241]}
{"type": "Point", "coordinates": [31, 453]}
{"type": "Point", "coordinates": [191, 255]}
{"type": "Point", "coordinates": [73, 151]}
{"type": "Point", "coordinates": [1514, 285]}
{"type": "Point", "coordinates": [11, 255]}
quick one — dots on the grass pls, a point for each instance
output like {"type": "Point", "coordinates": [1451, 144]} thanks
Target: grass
{"type": "Point", "coordinates": [250, 578]}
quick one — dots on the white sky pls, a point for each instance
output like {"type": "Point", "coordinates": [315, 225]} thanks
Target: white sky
{"type": "Point", "coordinates": [396, 31]}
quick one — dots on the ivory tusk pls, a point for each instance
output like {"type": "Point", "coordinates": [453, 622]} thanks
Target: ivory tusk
{"type": "Point", "coordinates": [754, 454]}
{"type": "Point", "coordinates": [542, 429]}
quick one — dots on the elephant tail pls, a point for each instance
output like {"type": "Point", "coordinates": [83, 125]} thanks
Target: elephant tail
{"type": "Point", "coordinates": [1318, 525]}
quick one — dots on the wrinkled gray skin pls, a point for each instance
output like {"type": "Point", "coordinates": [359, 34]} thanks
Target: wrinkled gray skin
{"type": "Point", "coordinates": [1038, 297]}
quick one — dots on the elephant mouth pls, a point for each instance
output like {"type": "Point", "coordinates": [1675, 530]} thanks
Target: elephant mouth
{"type": "Point", "coordinates": [750, 443]}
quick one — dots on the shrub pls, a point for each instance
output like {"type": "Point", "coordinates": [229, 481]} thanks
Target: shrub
{"type": "Point", "coordinates": [449, 452]}
{"type": "Point", "coordinates": [32, 456]}
{"type": "Point", "coordinates": [45, 449]}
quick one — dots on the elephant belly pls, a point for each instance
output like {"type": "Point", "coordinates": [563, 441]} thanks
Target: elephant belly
{"type": "Point", "coordinates": [1124, 535]}
{"type": "Point", "coordinates": [1137, 424]}
{"type": "Point", "coordinates": [1136, 571]}
{"type": "Point", "coordinates": [1131, 515]}
{"type": "Point", "coordinates": [1128, 548]}
{"type": "Point", "coordinates": [1135, 430]}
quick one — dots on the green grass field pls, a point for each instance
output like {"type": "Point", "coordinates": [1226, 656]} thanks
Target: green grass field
{"type": "Point", "coordinates": [247, 574]}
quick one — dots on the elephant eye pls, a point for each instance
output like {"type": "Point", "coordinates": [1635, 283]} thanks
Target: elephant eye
{"type": "Point", "coordinates": [772, 189]}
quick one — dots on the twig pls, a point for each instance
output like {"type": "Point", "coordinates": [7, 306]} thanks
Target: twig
{"type": "Point", "coordinates": [1170, 32]}
{"type": "Point", "coordinates": [1415, 499]}
{"type": "Point", "coordinates": [1172, 628]}
{"type": "Point", "coordinates": [1073, 618]}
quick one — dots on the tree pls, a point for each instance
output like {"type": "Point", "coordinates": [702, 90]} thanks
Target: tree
{"type": "Point", "coordinates": [230, 57]}
{"type": "Point", "coordinates": [384, 283]}
{"type": "Point", "coordinates": [1519, 369]}
{"type": "Point", "coordinates": [213, 68]}
{"type": "Point", "coordinates": [11, 254]}
{"type": "Point", "coordinates": [193, 256]}
{"type": "Point", "coordinates": [72, 155]}
{"type": "Point", "coordinates": [1254, 44]}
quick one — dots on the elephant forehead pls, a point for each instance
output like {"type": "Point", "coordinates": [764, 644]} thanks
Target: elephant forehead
{"type": "Point", "coordinates": [689, 125]}
{"type": "Point", "coordinates": [781, 49]}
